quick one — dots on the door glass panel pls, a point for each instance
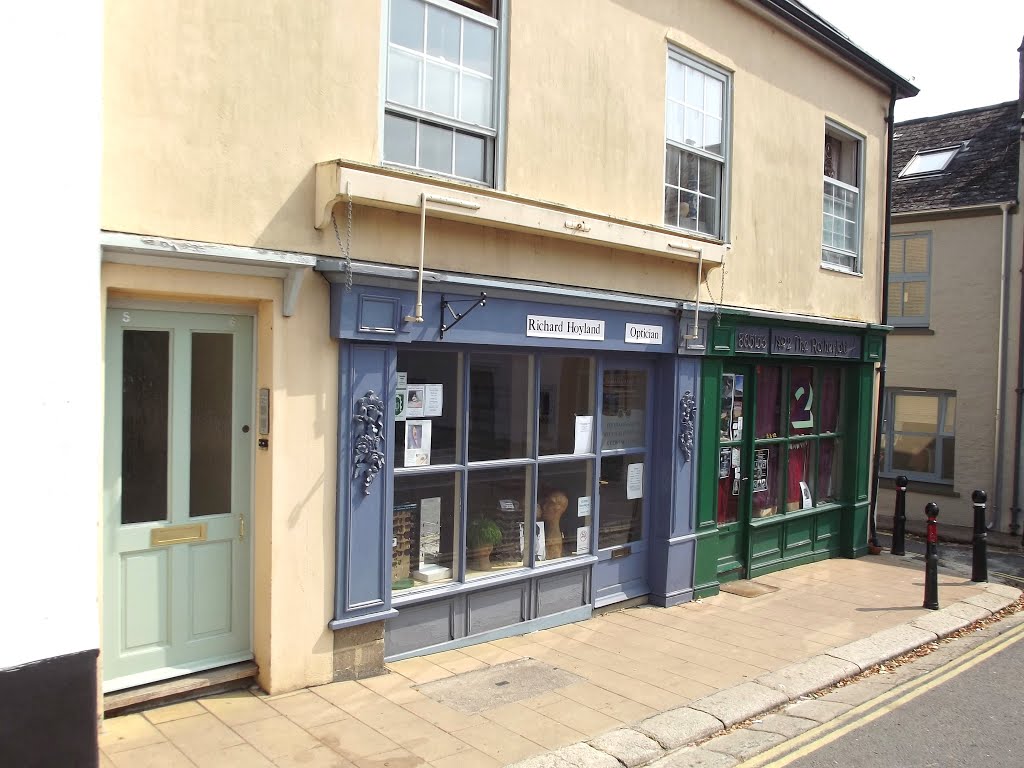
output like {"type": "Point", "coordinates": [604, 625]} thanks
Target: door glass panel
{"type": "Point", "coordinates": [730, 417]}
{"type": "Point", "coordinates": [622, 488]}
{"type": "Point", "coordinates": [500, 406]}
{"type": "Point", "coordinates": [765, 482]}
{"type": "Point", "coordinates": [497, 527]}
{"type": "Point", "coordinates": [830, 379]}
{"type": "Point", "coordinates": [799, 482]}
{"type": "Point", "coordinates": [730, 463]}
{"type": "Point", "coordinates": [801, 400]}
{"type": "Point", "coordinates": [210, 445]}
{"type": "Point", "coordinates": [566, 405]}
{"type": "Point", "coordinates": [427, 408]}
{"type": "Point", "coordinates": [769, 388]}
{"type": "Point", "coordinates": [565, 506]}
{"type": "Point", "coordinates": [623, 408]}
{"type": "Point", "coordinates": [425, 530]}
{"type": "Point", "coordinates": [145, 399]}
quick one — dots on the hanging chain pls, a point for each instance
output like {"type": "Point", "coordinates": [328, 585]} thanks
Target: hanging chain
{"type": "Point", "coordinates": [721, 293]}
{"type": "Point", "coordinates": [346, 249]}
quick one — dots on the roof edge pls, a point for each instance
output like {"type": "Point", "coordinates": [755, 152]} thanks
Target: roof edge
{"type": "Point", "coordinates": [957, 113]}
{"type": "Point", "coordinates": [811, 24]}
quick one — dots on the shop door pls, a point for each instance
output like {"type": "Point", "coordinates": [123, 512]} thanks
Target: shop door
{"type": "Point", "coordinates": [177, 471]}
{"type": "Point", "coordinates": [623, 523]}
{"type": "Point", "coordinates": [733, 507]}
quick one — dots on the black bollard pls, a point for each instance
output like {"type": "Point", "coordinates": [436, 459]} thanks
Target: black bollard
{"type": "Point", "coordinates": [931, 558]}
{"type": "Point", "coordinates": [979, 566]}
{"type": "Point", "coordinates": [899, 518]}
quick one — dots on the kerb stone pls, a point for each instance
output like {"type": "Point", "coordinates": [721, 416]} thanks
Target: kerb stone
{"type": "Point", "coordinates": [744, 743]}
{"type": "Point", "coordinates": [680, 726]}
{"type": "Point", "coordinates": [741, 702]}
{"type": "Point", "coordinates": [882, 646]}
{"type": "Point", "coordinates": [943, 623]}
{"type": "Point", "coordinates": [805, 677]}
{"type": "Point", "coordinates": [629, 747]}
{"type": "Point", "coordinates": [990, 601]}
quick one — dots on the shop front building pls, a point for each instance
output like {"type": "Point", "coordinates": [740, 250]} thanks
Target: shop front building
{"type": "Point", "coordinates": [510, 462]}
{"type": "Point", "coordinates": [785, 445]}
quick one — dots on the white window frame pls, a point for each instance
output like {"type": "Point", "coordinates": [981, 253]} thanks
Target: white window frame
{"type": "Point", "coordinates": [833, 257]}
{"type": "Point", "coordinates": [709, 70]}
{"type": "Point", "coordinates": [496, 135]}
{"type": "Point", "coordinates": [942, 432]}
{"type": "Point", "coordinates": [897, 279]}
{"type": "Point", "coordinates": [907, 171]}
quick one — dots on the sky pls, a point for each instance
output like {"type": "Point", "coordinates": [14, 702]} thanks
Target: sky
{"type": "Point", "coordinates": [960, 55]}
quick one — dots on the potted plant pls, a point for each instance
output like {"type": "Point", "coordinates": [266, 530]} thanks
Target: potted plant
{"type": "Point", "coordinates": [482, 535]}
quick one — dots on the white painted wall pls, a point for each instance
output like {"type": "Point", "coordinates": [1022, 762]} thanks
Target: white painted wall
{"type": "Point", "coordinates": [50, 374]}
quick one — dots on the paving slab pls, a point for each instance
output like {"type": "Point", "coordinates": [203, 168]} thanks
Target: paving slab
{"type": "Point", "coordinates": [696, 757]}
{"type": "Point", "coordinates": [819, 710]}
{"type": "Point", "coordinates": [680, 726]}
{"type": "Point", "coordinates": [741, 702]}
{"type": "Point", "coordinates": [883, 646]}
{"type": "Point", "coordinates": [805, 677]}
{"type": "Point", "coordinates": [629, 747]}
{"type": "Point", "coordinates": [786, 725]}
{"type": "Point", "coordinates": [744, 743]}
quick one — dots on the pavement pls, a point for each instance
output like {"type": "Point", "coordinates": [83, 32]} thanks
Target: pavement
{"type": "Point", "coordinates": [957, 534]}
{"type": "Point", "coordinates": [625, 688]}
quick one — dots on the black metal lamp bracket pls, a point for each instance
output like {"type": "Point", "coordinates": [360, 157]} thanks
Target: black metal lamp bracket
{"type": "Point", "coordinates": [446, 307]}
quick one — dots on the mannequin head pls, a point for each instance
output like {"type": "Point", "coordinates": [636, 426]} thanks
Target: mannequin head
{"type": "Point", "coordinates": [550, 510]}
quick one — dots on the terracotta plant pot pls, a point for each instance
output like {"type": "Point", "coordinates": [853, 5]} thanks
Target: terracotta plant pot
{"type": "Point", "coordinates": [480, 558]}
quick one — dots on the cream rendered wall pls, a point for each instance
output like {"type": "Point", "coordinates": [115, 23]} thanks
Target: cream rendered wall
{"type": "Point", "coordinates": [295, 480]}
{"type": "Point", "coordinates": [960, 356]}
{"type": "Point", "coordinates": [215, 137]}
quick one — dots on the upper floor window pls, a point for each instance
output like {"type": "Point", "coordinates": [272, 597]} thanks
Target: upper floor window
{"type": "Point", "coordinates": [442, 92]}
{"type": "Point", "coordinates": [919, 437]}
{"type": "Point", "coordinates": [909, 279]}
{"type": "Point", "coordinates": [841, 200]}
{"type": "Point", "coordinates": [696, 127]}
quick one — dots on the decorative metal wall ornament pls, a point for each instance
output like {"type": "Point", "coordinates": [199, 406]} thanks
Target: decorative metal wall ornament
{"type": "Point", "coordinates": [367, 456]}
{"type": "Point", "coordinates": [687, 412]}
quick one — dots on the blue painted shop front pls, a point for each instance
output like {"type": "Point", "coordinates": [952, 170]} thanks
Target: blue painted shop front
{"type": "Point", "coordinates": [509, 463]}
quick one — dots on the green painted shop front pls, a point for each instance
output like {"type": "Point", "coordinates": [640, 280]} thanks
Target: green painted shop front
{"type": "Point", "coordinates": [785, 446]}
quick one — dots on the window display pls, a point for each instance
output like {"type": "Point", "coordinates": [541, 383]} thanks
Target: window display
{"type": "Point", "coordinates": [425, 530]}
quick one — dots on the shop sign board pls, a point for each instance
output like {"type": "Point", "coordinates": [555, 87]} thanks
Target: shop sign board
{"type": "Point", "coordinates": [548, 327]}
{"type": "Point", "coordinates": [643, 334]}
{"type": "Point", "coordinates": [754, 340]}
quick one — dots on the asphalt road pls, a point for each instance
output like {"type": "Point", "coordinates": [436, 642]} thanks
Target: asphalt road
{"type": "Point", "coordinates": [970, 719]}
{"type": "Point", "coordinates": [1003, 567]}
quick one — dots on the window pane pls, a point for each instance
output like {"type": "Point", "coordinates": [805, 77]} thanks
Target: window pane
{"type": "Point", "coordinates": [913, 453]}
{"type": "Point", "coordinates": [436, 148]}
{"type": "Point", "coordinates": [478, 47]}
{"type": "Point", "coordinates": [622, 479]}
{"type": "Point", "coordinates": [623, 409]}
{"type": "Point", "coordinates": [674, 118]}
{"type": "Point", "coordinates": [895, 300]}
{"type": "Point", "coordinates": [425, 532]}
{"type": "Point", "coordinates": [693, 128]}
{"type": "Point", "coordinates": [765, 482]}
{"type": "Point", "coordinates": [500, 406]}
{"type": "Point", "coordinates": [673, 161]}
{"type": "Point", "coordinates": [707, 215]}
{"type": "Point", "coordinates": [949, 424]}
{"type": "Point", "coordinates": [829, 471]}
{"type": "Point", "coordinates": [566, 405]}
{"type": "Point", "coordinates": [399, 140]}
{"type": "Point", "coordinates": [948, 457]}
{"type": "Point", "coordinates": [443, 30]}
{"type": "Point", "coordinates": [471, 157]}
{"type": "Point", "coordinates": [915, 297]}
{"type": "Point", "coordinates": [917, 254]}
{"type": "Point", "coordinates": [694, 88]}
{"type": "Point", "coordinates": [497, 519]}
{"type": "Point", "coordinates": [830, 384]}
{"type": "Point", "coordinates": [710, 175]}
{"type": "Point", "coordinates": [430, 402]}
{"type": "Point", "coordinates": [564, 508]}
{"type": "Point", "coordinates": [688, 210]}
{"type": "Point", "coordinates": [406, 23]}
{"type": "Point", "coordinates": [210, 443]}
{"type": "Point", "coordinates": [729, 467]}
{"type": "Point", "coordinates": [713, 135]}
{"type": "Point", "coordinates": [730, 416]}
{"type": "Point", "coordinates": [676, 88]}
{"type": "Point", "coordinates": [769, 391]}
{"type": "Point", "coordinates": [672, 206]}
{"type": "Point", "coordinates": [713, 96]}
{"type": "Point", "coordinates": [403, 78]}
{"type": "Point", "coordinates": [916, 413]}
{"type": "Point", "coordinates": [439, 89]}
{"type": "Point", "coordinates": [801, 400]}
{"type": "Point", "coordinates": [896, 255]}
{"type": "Point", "coordinates": [145, 400]}
{"type": "Point", "coordinates": [689, 174]}
{"type": "Point", "coordinates": [476, 100]}
{"type": "Point", "coordinates": [799, 480]}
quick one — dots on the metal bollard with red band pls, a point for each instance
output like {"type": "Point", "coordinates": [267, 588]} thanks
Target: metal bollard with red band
{"type": "Point", "coordinates": [931, 558]}
{"type": "Point", "coordinates": [899, 518]}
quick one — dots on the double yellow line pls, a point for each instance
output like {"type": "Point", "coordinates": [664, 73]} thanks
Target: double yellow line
{"type": "Point", "coordinates": [859, 716]}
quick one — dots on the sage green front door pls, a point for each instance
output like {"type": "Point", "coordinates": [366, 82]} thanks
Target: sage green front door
{"type": "Point", "coordinates": [177, 474]}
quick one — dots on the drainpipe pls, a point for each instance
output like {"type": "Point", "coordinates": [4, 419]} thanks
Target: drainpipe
{"type": "Point", "coordinates": [1015, 507]}
{"type": "Point", "coordinates": [890, 119]}
{"type": "Point", "coordinates": [1004, 280]}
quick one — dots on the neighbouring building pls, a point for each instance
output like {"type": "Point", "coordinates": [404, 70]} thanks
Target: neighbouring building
{"type": "Point", "coordinates": [952, 412]}
{"type": "Point", "coordinates": [428, 322]}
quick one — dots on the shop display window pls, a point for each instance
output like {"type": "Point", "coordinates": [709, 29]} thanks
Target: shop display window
{"type": "Point", "coordinates": [505, 479]}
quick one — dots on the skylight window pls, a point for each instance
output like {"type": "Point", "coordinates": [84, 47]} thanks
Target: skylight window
{"type": "Point", "coordinates": [929, 161]}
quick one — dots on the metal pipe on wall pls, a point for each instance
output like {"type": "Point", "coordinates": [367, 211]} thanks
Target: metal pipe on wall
{"type": "Point", "coordinates": [997, 448]}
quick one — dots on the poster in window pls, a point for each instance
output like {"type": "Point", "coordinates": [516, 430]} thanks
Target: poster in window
{"type": "Point", "coordinates": [414, 401]}
{"type": "Point", "coordinates": [400, 395]}
{"type": "Point", "coordinates": [760, 470]}
{"type": "Point", "coordinates": [417, 443]}
{"type": "Point", "coordinates": [584, 442]}
{"type": "Point", "coordinates": [728, 386]}
{"type": "Point", "coordinates": [724, 463]}
{"type": "Point", "coordinates": [635, 481]}
{"type": "Point", "coordinates": [433, 399]}
{"type": "Point", "coordinates": [583, 540]}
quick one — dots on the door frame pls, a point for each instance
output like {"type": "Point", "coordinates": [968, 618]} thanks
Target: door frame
{"type": "Point", "coordinates": [246, 310]}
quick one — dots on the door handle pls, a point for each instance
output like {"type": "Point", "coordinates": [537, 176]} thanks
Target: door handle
{"type": "Point", "coordinates": [241, 527]}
